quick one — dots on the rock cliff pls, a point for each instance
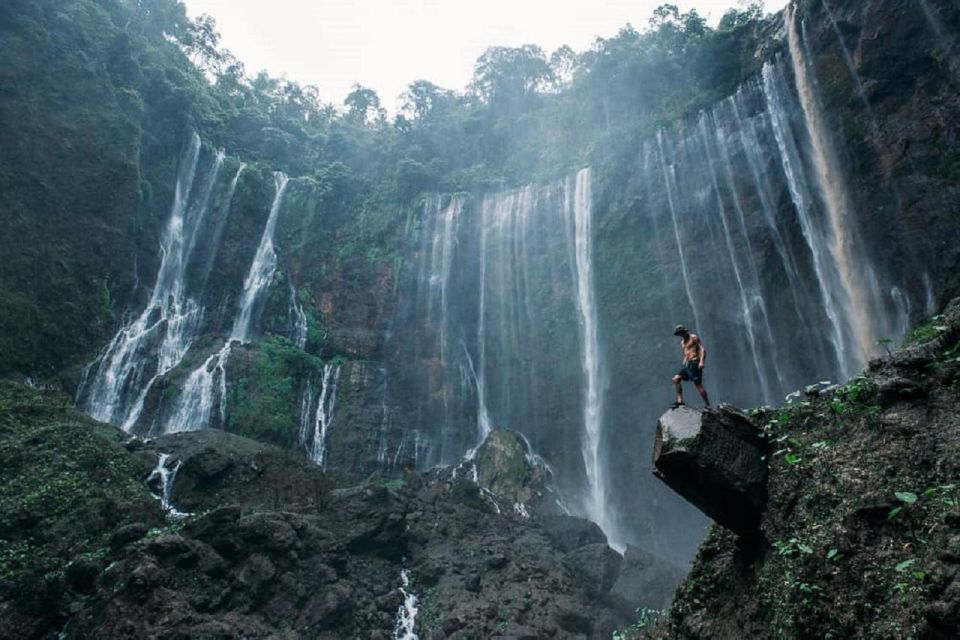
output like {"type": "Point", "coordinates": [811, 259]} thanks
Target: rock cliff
{"type": "Point", "coordinates": [861, 532]}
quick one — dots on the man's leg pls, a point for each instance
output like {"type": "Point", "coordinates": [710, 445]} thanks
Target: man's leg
{"type": "Point", "coordinates": [703, 394]}
{"type": "Point", "coordinates": [676, 385]}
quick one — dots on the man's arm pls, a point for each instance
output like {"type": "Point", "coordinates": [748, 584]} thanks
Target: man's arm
{"type": "Point", "coordinates": [703, 353]}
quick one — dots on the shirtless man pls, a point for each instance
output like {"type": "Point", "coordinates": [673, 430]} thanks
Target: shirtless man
{"type": "Point", "coordinates": [694, 359]}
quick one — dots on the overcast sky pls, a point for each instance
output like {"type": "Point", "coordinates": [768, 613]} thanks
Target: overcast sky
{"type": "Point", "coordinates": [387, 44]}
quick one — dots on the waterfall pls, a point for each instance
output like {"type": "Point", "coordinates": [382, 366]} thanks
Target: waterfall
{"type": "Point", "coordinates": [262, 270]}
{"type": "Point", "coordinates": [407, 612]}
{"type": "Point", "coordinates": [156, 341]}
{"type": "Point", "coordinates": [596, 506]}
{"type": "Point", "coordinates": [315, 440]}
{"type": "Point", "coordinates": [859, 306]}
{"type": "Point", "coordinates": [669, 181]}
{"type": "Point", "coordinates": [299, 320]}
{"type": "Point", "coordinates": [930, 299]}
{"type": "Point", "coordinates": [384, 423]}
{"type": "Point", "coordinates": [798, 186]}
{"type": "Point", "coordinates": [505, 331]}
{"type": "Point", "coordinates": [746, 313]}
{"type": "Point", "coordinates": [206, 385]}
{"type": "Point", "coordinates": [166, 477]}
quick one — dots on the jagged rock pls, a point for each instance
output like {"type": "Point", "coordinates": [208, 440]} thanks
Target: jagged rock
{"type": "Point", "coordinates": [598, 563]}
{"type": "Point", "coordinates": [644, 581]}
{"type": "Point", "coordinates": [569, 532]}
{"type": "Point", "coordinates": [717, 461]}
{"type": "Point", "coordinates": [127, 534]}
{"type": "Point", "coordinates": [221, 468]}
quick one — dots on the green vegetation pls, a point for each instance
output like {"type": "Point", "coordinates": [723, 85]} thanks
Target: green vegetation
{"type": "Point", "coordinates": [645, 618]}
{"type": "Point", "coordinates": [925, 332]}
{"type": "Point", "coordinates": [264, 390]}
{"type": "Point", "coordinates": [67, 481]}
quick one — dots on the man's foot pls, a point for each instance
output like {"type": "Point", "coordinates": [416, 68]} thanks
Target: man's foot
{"type": "Point", "coordinates": [677, 405]}
{"type": "Point", "coordinates": [707, 408]}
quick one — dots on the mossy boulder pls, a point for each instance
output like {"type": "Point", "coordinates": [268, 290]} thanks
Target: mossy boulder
{"type": "Point", "coordinates": [505, 467]}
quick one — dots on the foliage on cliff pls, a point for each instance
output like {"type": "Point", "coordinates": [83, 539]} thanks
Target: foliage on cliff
{"type": "Point", "coordinates": [67, 483]}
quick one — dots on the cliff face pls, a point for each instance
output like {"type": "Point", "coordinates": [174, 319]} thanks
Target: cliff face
{"type": "Point", "coordinates": [420, 323]}
{"type": "Point", "coordinates": [861, 533]}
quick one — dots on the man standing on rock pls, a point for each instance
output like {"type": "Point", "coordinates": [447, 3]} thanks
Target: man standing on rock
{"type": "Point", "coordinates": [694, 359]}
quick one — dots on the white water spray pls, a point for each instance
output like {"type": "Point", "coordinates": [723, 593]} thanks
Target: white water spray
{"type": "Point", "coordinates": [582, 212]}
{"type": "Point", "coordinates": [206, 386]}
{"type": "Point", "coordinates": [315, 441]}
{"type": "Point", "coordinates": [156, 341]}
{"type": "Point", "coordinates": [859, 307]}
{"type": "Point", "coordinates": [407, 613]}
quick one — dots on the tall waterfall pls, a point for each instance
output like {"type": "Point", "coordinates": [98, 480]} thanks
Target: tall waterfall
{"type": "Point", "coordinates": [156, 341]}
{"type": "Point", "coordinates": [857, 296]}
{"type": "Point", "coordinates": [506, 331]}
{"type": "Point", "coordinates": [596, 504]}
{"type": "Point", "coordinates": [205, 388]}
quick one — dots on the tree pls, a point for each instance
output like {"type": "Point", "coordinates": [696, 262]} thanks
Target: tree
{"type": "Point", "coordinates": [422, 98]}
{"type": "Point", "coordinates": [363, 106]}
{"type": "Point", "coordinates": [508, 73]}
{"type": "Point", "coordinates": [204, 42]}
{"type": "Point", "coordinates": [563, 63]}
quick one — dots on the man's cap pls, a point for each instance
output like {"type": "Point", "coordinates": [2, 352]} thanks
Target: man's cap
{"type": "Point", "coordinates": [679, 329]}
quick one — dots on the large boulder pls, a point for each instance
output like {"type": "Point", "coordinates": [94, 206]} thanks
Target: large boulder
{"type": "Point", "coordinates": [508, 469]}
{"type": "Point", "coordinates": [717, 461]}
{"type": "Point", "coordinates": [569, 532]}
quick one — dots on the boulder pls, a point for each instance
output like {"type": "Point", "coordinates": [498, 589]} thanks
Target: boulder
{"type": "Point", "coordinates": [505, 468]}
{"type": "Point", "coordinates": [597, 564]}
{"type": "Point", "coordinates": [569, 532]}
{"type": "Point", "coordinates": [717, 461]}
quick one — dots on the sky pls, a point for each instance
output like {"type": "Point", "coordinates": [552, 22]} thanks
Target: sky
{"type": "Point", "coordinates": [387, 44]}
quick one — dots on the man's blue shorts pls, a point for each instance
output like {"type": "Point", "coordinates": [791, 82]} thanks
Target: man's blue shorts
{"type": "Point", "coordinates": [691, 372]}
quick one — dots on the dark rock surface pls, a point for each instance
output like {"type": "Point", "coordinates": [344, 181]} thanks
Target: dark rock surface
{"type": "Point", "coordinates": [717, 461]}
{"type": "Point", "coordinates": [267, 545]}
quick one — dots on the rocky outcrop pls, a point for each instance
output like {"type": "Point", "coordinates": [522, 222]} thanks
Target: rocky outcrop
{"type": "Point", "coordinates": [862, 515]}
{"type": "Point", "coordinates": [717, 461]}
{"type": "Point", "coordinates": [504, 468]}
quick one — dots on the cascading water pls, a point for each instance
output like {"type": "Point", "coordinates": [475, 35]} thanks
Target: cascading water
{"type": "Point", "coordinates": [505, 292]}
{"type": "Point", "coordinates": [382, 442]}
{"type": "Point", "coordinates": [205, 387]}
{"type": "Point", "coordinates": [158, 338]}
{"type": "Point", "coordinates": [404, 627]}
{"type": "Point", "coordinates": [164, 476]}
{"type": "Point", "coordinates": [299, 320]}
{"type": "Point", "coordinates": [746, 298]}
{"type": "Point", "coordinates": [669, 181]}
{"type": "Point", "coordinates": [858, 300]}
{"type": "Point", "coordinates": [315, 440]}
{"type": "Point", "coordinates": [582, 210]}
{"type": "Point", "coordinates": [800, 192]}
{"type": "Point", "coordinates": [946, 40]}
